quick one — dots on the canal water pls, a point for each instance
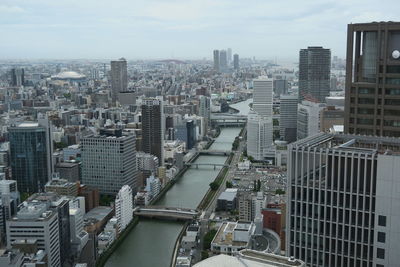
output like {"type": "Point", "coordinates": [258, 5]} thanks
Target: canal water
{"type": "Point", "coordinates": [151, 242]}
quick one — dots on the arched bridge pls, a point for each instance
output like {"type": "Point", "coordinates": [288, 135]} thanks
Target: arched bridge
{"type": "Point", "coordinates": [169, 213]}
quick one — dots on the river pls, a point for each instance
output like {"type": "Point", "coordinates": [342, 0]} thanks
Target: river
{"type": "Point", "coordinates": [151, 242]}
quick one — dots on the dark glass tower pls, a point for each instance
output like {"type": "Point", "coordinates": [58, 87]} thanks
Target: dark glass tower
{"type": "Point", "coordinates": [153, 128]}
{"type": "Point", "coordinates": [29, 156]}
{"type": "Point", "coordinates": [373, 79]}
{"type": "Point", "coordinates": [314, 73]}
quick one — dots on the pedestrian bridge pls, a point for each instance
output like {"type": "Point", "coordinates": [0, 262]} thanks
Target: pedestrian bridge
{"type": "Point", "coordinates": [168, 213]}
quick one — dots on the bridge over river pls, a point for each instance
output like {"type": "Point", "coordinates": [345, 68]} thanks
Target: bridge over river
{"type": "Point", "coordinates": [169, 213]}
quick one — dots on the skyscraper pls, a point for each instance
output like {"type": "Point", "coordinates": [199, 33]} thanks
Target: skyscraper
{"type": "Point", "coordinates": [38, 221]}
{"type": "Point", "coordinates": [259, 124]}
{"type": "Point", "coordinates": [17, 77]}
{"type": "Point", "coordinates": [119, 77]}
{"type": "Point", "coordinates": [153, 128]}
{"type": "Point", "coordinates": [236, 61]}
{"type": "Point", "coordinates": [373, 79]}
{"type": "Point", "coordinates": [124, 207]}
{"type": "Point", "coordinates": [308, 118]}
{"type": "Point", "coordinates": [109, 162]}
{"type": "Point", "coordinates": [229, 55]}
{"type": "Point", "coordinates": [259, 135]}
{"type": "Point", "coordinates": [288, 118]}
{"type": "Point", "coordinates": [30, 163]}
{"type": "Point", "coordinates": [216, 60]}
{"type": "Point", "coordinates": [223, 61]}
{"type": "Point", "coordinates": [314, 73]}
{"type": "Point", "coordinates": [205, 109]}
{"type": "Point", "coordinates": [262, 96]}
{"type": "Point", "coordinates": [343, 205]}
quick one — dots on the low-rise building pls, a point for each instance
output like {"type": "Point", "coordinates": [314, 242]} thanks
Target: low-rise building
{"type": "Point", "coordinates": [232, 237]}
{"type": "Point", "coordinates": [62, 187]}
{"type": "Point", "coordinates": [227, 200]}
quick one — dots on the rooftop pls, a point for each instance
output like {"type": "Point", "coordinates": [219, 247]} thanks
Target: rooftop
{"type": "Point", "coordinates": [225, 235]}
{"type": "Point", "coordinates": [66, 75]}
{"type": "Point", "coordinates": [28, 124]}
{"type": "Point", "coordinates": [348, 142]}
{"type": "Point", "coordinates": [98, 213]}
{"type": "Point", "coordinates": [250, 258]}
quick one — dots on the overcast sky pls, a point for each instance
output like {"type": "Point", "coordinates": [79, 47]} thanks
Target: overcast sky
{"type": "Point", "coordinates": [182, 29]}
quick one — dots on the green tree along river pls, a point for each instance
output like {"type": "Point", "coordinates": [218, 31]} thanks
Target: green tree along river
{"type": "Point", "coordinates": [151, 242]}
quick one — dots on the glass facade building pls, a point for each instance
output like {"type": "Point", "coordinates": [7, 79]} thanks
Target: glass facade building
{"type": "Point", "coordinates": [29, 156]}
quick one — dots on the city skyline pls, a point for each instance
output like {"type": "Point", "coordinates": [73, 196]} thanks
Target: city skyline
{"type": "Point", "coordinates": [178, 29]}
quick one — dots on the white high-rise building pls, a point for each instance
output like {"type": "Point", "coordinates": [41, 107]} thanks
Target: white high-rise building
{"type": "Point", "coordinates": [308, 118]}
{"type": "Point", "coordinates": [229, 55]}
{"type": "Point", "coordinates": [124, 207]}
{"type": "Point", "coordinates": [259, 135]}
{"type": "Point", "coordinates": [263, 96]}
{"type": "Point", "coordinates": [259, 123]}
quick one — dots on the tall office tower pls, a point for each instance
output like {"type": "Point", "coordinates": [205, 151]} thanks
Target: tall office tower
{"type": "Point", "coordinates": [236, 61]}
{"type": "Point", "coordinates": [186, 132]}
{"type": "Point", "coordinates": [262, 96]}
{"type": "Point", "coordinates": [343, 200]}
{"type": "Point", "coordinates": [205, 109]}
{"type": "Point", "coordinates": [61, 206]}
{"type": "Point", "coordinates": [373, 79]}
{"type": "Point", "coordinates": [308, 118]}
{"type": "Point", "coordinates": [281, 87]}
{"type": "Point", "coordinates": [44, 121]}
{"type": "Point", "coordinates": [229, 55]}
{"type": "Point", "coordinates": [109, 162]}
{"type": "Point", "coordinates": [288, 118]}
{"type": "Point", "coordinates": [119, 77]}
{"type": "Point", "coordinates": [17, 77]}
{"type": "Point", "coordinates": [259, 135]}
{"type": "Point", "coordinates": [124, 207]}
{"type": "Point", "coordinates": [30, 163]}
{"type": "Point", "coordinates": [314, 73]}
{"type": "Point", "coordinates": [216, 60]}
{"type": "Point", "coordinates": [153, 128]}
{"type": "Point", "coordinates": [37, 221]}
{"type": "Point", "coordinates": [223, 60]}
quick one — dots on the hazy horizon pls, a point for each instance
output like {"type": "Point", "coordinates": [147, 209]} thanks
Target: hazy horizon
{"type": "Point", "coordinates": [190, 29]}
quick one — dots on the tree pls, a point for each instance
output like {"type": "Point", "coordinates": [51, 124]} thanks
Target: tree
{"type": "Point", "coordinates": [228, 184]}
{"type": "Point", "coordinates": [60, 145]}
{"type": "Point", "coordinates": [280, 191]}
{"type": "Point", "coordinates": [208, 239]}
{"type": "Point", "coordinates": [214, 186]}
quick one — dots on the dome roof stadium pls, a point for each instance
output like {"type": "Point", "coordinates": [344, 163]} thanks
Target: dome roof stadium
{"type": "Point", "coordinates": [68, 75]}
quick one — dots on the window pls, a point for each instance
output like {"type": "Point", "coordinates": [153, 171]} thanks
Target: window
{"type": "Point", "coordinates": [381, 220]}
{"type": "Point", "coordinates": [380, 253]}
{"type": "Point", "coordinates": [381, 237]}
